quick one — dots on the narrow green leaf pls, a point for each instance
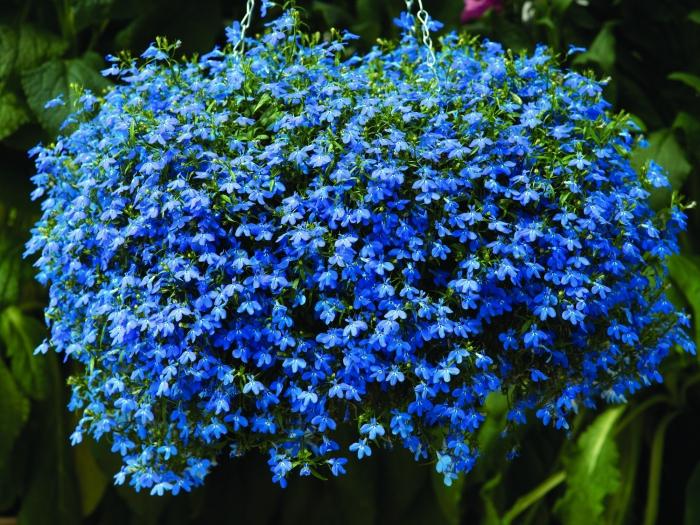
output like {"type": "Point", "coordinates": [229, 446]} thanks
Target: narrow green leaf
{"type": "Point", "coordinates": [538, 493]}
{"type": "Point", "coordinates": [14, 410]}
{"type": "Point", "coordinates": [656, 461]}
{"type": "Point", "coordinates": [59, 77]}
{"type": "Point", "coordinates": [694, 16]}
{"type": "Point", "coordinates": [490, 509]}
{"type": "Point", "coordinates": [686, 275]}
{"type": "Point", "coordinates": [22, 334]}
{"type": "Point", "coordinates": [687, 78]}
{"type": "Point", "coordinates": [592, 472]}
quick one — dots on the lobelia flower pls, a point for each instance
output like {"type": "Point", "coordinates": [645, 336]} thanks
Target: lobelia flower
{"type": "Point", "coordinates": [474, 9]}
{"type": "Point", "coordinates": [251, 250]}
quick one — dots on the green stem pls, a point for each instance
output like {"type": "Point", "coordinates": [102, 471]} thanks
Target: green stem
{"type": "Point", "coordinates": [655, 465]}
{"type": "Point", "coordinates": [523, 502]}
{"type": "Point", "coordinates": [636, 411]}
{"type": "Point", "coordinates": [692, 380]}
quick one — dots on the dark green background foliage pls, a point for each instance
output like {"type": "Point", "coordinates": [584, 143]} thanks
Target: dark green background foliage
{"type": "Point", "coordinates": [627, 465]}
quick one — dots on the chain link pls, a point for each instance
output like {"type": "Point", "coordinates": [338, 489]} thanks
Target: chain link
{"type": "Point", "coordinates": [424, 18]}
{"type": "Point", "coordinates": [245, 24]}
{"type": "Point", "coordinates": [422, 15]}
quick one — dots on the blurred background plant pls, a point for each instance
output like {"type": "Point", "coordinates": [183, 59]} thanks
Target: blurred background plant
{"type": "Point", "coordinates": [624, 465]}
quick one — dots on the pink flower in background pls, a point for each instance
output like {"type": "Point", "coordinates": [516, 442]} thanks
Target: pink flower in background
{"type": "Point", "coordinates": [473, 9]}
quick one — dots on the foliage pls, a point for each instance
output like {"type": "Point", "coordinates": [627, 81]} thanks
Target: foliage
{"type": "Point", "coordinates": [647, 48]}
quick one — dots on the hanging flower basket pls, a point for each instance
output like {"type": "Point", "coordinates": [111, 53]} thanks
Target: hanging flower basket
{"type": "Point", "coordinates": [250, 249]}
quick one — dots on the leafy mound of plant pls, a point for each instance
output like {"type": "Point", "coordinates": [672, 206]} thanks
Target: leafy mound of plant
{"type": "Point", "coordinates": [247, 251]}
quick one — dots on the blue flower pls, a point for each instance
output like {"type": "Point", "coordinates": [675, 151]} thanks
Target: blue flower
{"type": "Point", "coordinates": [272, 244]}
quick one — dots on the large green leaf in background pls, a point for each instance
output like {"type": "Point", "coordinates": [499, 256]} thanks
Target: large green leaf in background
{"type": "Point", "coordinates": [22, 334]}
{"type": "Point", "coordinates": [688, 79]}
{"type": "Point", "coordinates": [59, 77]}
{"type": "Point", "coordinates": [601, 50]}
{"type": "Point", "coordinates": [665, 150]}
{"type": "Point", "coordinates": [27, 47]}
{"type": "Point", "coordinates": [14, 410]}
{"type": "Point", "coordinates": [592, 472]}
{"type": "Point", "coordinates": [52, 497]}
{"type": "Point", "coordinates": [13, 113]}
{"type": "Point", "coordinates": [686, 274]}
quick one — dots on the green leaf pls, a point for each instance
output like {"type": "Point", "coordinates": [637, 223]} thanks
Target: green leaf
{"type": "Point", "coordinates": [12, 474]}
{"type": "Point", "coordinates": [601, 50]}
{"type": "Point", "coordinates": [592, 472]}
{"type": "Point", "coordinates": [692, 498]}
{"type": "Point", "coordinates": [694, 16]}
{"type": "Point", "coordinates": [690, 127]}
{"type": "Point", "coordinates": [619, 505]}
{"type": "Point", "coordinates": [8, 50]}
{"type": "Point", "coordinates": [36, 45]}
{"type": "Point", "coordinates": [687, 78]}
{"type": "Point", "coordinates": [665, 150]}
{"type": "Point", "coordinates": [448, 498]}
{"type": "Point", "coordinates": [51, 497]}
{"type": "Point", "coordinates": [89, 12]}
{"type": "Point", "coordinates": [58, 77]}
{"type": "Point", "coordinates": [686, 275]}
{"type": "Point", "coordinates": [22, 334]}
{"type": "Point", "coordinates": [13, 114]}
{"type": "Point", "coordinates": [14, 410]}
{"type": "Point", "coordinates": [688, 123]}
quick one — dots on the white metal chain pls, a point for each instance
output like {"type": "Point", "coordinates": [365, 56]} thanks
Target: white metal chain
{"type": "Point", "coordinates": [422, 15]}
{"type": "Point", "coordinates": [423, 19]}
{"type": "Point", "coordinates": [245, 24]}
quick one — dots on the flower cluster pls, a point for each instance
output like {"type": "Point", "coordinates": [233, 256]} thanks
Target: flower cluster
{"type": "Point", "coordinates": [249, 251]}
